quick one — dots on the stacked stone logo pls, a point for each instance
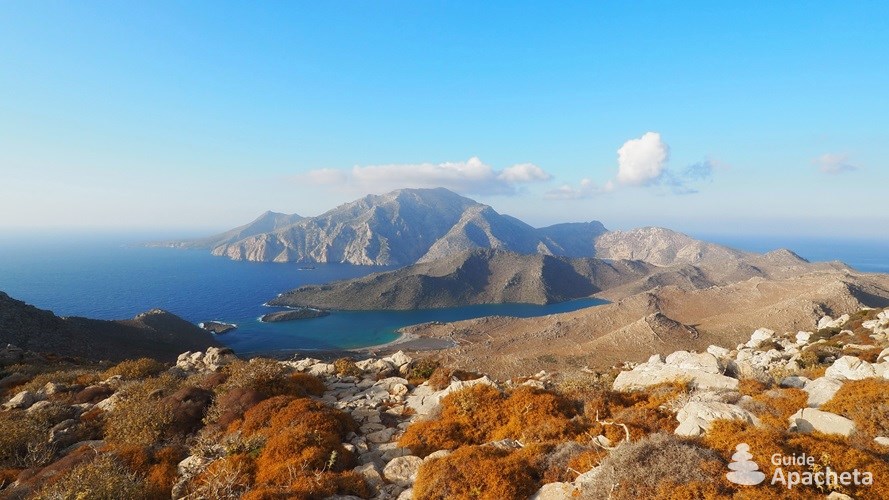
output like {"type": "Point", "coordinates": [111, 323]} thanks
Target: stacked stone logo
{"type": "Point", "coordinates": [744, 470]}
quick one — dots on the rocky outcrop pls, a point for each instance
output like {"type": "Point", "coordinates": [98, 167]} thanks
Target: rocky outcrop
{"type": "Point", "coordinates": [701, 371]}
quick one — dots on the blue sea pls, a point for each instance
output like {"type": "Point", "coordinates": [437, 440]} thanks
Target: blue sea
{"type": "Point", "coordinates": [112, 277]}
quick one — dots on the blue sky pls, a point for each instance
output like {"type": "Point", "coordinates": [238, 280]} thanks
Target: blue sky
{"type": "Point", "coordinates": [715, 117]}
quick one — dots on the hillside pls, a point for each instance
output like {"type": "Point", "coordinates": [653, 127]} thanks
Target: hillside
{"type": "Point", "coordinates": [481, 276]}
{"type": "Point", "coordinates": [661, 319]}
{"type": "Point", "coordinates": [156, 333]}
{"type": "Point", "coordinates": [485, 276]}
{"type": "Point", "coordinates": [414, 427]}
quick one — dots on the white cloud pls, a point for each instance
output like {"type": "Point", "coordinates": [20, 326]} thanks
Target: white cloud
{"type": "Point", "coordinates": [834, 164]}
{"type": "Point", "coordinates": [641, 161]}
{"type": "Point", "coordinates": [586, 189]}
{"type": "Point", "coordinates": [472, 176]}
{"type": "Point", "coordinates": [524, 172]}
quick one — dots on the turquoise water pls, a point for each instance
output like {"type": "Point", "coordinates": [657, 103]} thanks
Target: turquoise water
{"type": "Point", "coordinates": [104, 277]}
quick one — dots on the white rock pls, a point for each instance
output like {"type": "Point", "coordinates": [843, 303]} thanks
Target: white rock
{"type": "Point", "coordinates": [398, 359]}
{"type": "Point", "coordinates": [437, 454]}
{"type": "Point", "coordinates": [759, 336]}
{"type": "Point", "coordinates": [655, 359]}
{"type": "Point", "coordinates": [803, 337]}
{"type": "Point", "coordinates": [684, 360]}
{"type": "Point", "coordinates": [882, 441]}
{"type": "Point", "coordinates": [38, 406]}
{"type": "Point", "coordinates": [719, 352]}
{"type": "Point", "coordinates": [701, 414]}
{"type": "Point", "coordinates": [646, 375]}
{"type": "Point", "coordinates": [824, 321]}
{"type": "Point", "coordinates": [22, 400]}
{"type": "Point", "coordinates": [321, 369]}
{"type": "Point", "coordinates": [402, 470]}
{"type": "Point", "coordinates": [407, 494]}
{"type": "Point", "coordinates": [556, 491]}
{"type": "Point", "coordinates": [851, 368]}
{"type": "Point", "coordinates": [883, 356]}
{"type": "Point", "coordinates": [809, 420]}
{"type": "Point", "coordinates": [822, 390]}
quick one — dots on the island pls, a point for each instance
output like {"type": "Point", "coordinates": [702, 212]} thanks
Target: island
{"type": "Point", "coordinates": [295, 314]}
{"type": "Point", "coordinates": [217, 327]}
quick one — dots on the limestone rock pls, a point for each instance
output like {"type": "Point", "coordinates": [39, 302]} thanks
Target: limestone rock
{"type": "Point", "coordinates": [809, 420]}
{"type": "Point", "coordinates": [402, 470]}
{"type": "Point", "coordinates": [646, 375]}
{"type": "Point", "coordinates": [22, 400]}
{"type": "Point", "coordinates": [426, 401]}
{"type": "Point", "coordinates": [398, 359]}
{"type": "Point", "coordinates": [822, 390]}
{"type": "Point", "coordinates": [704, 362]}
{"type": "Point", "coordinates": [556, 491]}
{"type": "Point", "coordinates": [696, 416]}
{"type": "Point", "coordinates": [851, 368]}
{"type": "Point", "coordinates": [794, 381]}
{"type": "Point", "coordinates": [759, 337]}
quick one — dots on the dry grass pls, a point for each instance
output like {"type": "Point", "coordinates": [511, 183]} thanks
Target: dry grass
{"type": "Point", "coordinates": [477, 472]}
{"type": "Point", "coordinates": [866, 402]}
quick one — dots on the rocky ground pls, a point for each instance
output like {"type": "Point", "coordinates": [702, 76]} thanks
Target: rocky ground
{"type": "Point", "coordinates": [410, 428]}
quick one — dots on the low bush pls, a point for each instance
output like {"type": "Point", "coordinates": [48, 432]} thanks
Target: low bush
{"type": "Point", "coordinates": [637, 470]}
{"type": "Point", "coordinates": [481, 413]}
{"type": "Point", "coordinates": [420, 370]}
{"type": "Point", "coordinates": [143, 416]}
{"type": "Point", "coordinates": [866, 402]}
{"type": "Point", "coordinates": [135, 369]}
{"type": "Point", "coordinates": [269, 378]}
{"type": "Point", "coordinates": [478, 472]}
{"type": "Point", "coordinates": [345, 367]}
{"type": "Point", "coordinates": [24, 439]}
{"type": "Point", "coordinates": [104, 477]}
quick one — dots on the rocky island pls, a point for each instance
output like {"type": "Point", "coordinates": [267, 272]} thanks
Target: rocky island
{"type": "Point", "coordinates": [217, 327]}
{"type": "Point", "coordinates": [293, 315]}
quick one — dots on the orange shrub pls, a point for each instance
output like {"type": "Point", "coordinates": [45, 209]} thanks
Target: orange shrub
{"type": "Point", "coordinates": [775, 406]}
{"type": "Point", "coordinates": [866, 402]}
{"type": "Point", "coordinates": [481, 413]}
{"type": "Point", "coordinates": [477, 472]}
{"type": "Point", "coordinates": [312, 487]}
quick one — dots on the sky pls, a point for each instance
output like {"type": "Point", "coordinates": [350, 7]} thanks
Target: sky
{"type": "Point", "coordinates": [717, 117]}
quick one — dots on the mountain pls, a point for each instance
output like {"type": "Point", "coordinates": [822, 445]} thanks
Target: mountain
{"type": "Point", "coordinates": [156, 333]}
{"type": "Point", "coordinates": [265, 223]}
{"type": "Point", "coordinates": [409, 226]}
{"type": "Point", "coordinates": [401, 227]}
{"type": "Point", "coordinates": [479, 276]}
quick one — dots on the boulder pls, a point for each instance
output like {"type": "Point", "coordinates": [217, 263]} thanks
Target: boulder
{"type": "Point", "coordinates": [851, 368]}
{"type": "Point", "coordinates": [882, 441]}
{"type": "Point", "coordinates": [794, 381]}
{"type": "Point", "coordinates": [822, 390]}
{"type": "Point", "coordinates": [402, 470]}
{"type": "Point", "coordinates": [759, 337]}
{"type": "Point", "coordinates": [22, 400]}
{"type": "Point", "coordinates": [696, 417]}
{"type": "Point", "coordinates": [810, 420]}
{"type": "Point", "coordinates": [556, 491]}
{"type": "Point", "coordinates": [802, 338]}
{"type": "Point", "coordinates": [371, 475]}
{"type": "Point", "coordinates": [719, 352]}
{"type": "Point", "coordinates": [646, 375]}
{"type": "Point", "coordinates": [883, 356]}
{"type": "Point", "coordinates": [398, 359]}
{"type": "Point", "coordinates": [217, 357]}
{"type": "Point", "coordinates": [684, 360]}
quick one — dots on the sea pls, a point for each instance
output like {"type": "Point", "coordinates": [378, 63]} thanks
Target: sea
{"type": "Point", "coordinates": [113, 276]}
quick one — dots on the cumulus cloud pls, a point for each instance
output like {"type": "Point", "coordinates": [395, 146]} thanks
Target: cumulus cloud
{"type": "Point", "coordinates": [641, 161]}
{"type": "Point", "coordinates": [834, 164]}
{"type": "Point", "coordinates": [472, 176]}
